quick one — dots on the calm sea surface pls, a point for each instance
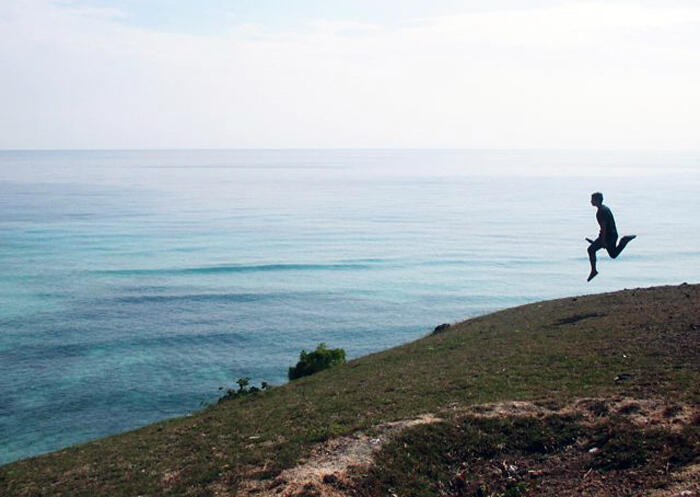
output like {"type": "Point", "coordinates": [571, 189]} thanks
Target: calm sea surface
{"type": "Point", "coordinates": [134, 284]}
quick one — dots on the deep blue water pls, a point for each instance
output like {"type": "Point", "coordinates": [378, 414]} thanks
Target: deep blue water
{"type": "Point", "coordinates": [133, 284]}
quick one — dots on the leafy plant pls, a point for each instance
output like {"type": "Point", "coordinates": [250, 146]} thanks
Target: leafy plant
{"type": "Point", "coordinates": [244, 389]}
{"type": "Point", "coordinates": [318, 360]}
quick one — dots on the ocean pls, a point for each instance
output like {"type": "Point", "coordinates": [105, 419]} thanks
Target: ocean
{"type": "Point", "coordinates": [134, 284]}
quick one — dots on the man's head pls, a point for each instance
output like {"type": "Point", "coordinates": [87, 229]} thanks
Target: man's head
{"type": "Point", "coordinates": [597, 199]}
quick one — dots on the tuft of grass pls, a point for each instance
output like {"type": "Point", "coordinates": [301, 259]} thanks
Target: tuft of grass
{"type": "Point", "coordinates": [672, 411]}
{"type": "Point", "coordinates": [598, 408]}
{"type": "Point", "coordinates": [629, 408]}
{"type": "Point", "coordinates": [624, 446]}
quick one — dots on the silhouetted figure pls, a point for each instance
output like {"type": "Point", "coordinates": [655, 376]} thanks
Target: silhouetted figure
{"type": "Point", "coordinates": [607, 238]}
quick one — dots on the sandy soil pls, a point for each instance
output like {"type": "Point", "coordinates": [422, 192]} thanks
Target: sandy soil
{"type": "Point", "coordinates": [325, 472]}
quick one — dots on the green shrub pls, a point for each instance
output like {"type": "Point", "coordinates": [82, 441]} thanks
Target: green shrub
{"type": "Point", "coordinates": [244, 389]}
{"type": "Point", "coordinates": [318, 360]}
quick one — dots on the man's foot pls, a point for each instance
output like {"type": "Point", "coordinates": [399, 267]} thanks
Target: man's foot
{"type": "Point", "coordinates": [593, 274]}
{"type": "Point", "coordinates": [624, 241]}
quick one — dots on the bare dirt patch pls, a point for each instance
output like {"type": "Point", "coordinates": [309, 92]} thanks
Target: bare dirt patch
{"type": "Point", "coordinates": [332, 468]}
{"type": "Point", "coordinates": [324, 472]}
{"type": "Point", "coordinates": [640, 412]}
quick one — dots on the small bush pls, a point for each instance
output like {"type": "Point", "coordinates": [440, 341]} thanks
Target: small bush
{"type": "Point", "coordinates": [243, 389]}
{"type": "Point", "coordinates": [318, 360]}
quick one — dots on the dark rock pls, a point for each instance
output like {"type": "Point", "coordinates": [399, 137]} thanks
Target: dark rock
{"type": "Point", "coordinates": [441, 328]}
{"type": "Point", "coordinates": [623, 377]}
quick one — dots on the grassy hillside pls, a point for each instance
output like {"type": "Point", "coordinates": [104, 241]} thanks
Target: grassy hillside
{"type": "Point", "coordinates": [552, 352]}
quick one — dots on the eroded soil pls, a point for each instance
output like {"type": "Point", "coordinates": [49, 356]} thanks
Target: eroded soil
{"type": "Point", "coordinates": [339, 467]}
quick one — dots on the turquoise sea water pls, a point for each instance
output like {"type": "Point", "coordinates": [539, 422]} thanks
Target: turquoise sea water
{"type": "Point", "coordinates": [133, 284]}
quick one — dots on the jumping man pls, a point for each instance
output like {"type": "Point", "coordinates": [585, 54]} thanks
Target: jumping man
{"type": "Point", "coordinates": [607, 238]}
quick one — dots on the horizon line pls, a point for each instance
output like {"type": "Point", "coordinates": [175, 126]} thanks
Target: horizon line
{"type": "Point", "coordinates": [282, 149]}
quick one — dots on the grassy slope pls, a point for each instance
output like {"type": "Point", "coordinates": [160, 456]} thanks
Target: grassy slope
{"type": "Point", "coordinates": [556, 350]}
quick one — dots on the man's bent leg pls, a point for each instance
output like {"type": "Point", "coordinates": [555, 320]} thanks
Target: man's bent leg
{"type": "Point", "coordinates": [614, 251]}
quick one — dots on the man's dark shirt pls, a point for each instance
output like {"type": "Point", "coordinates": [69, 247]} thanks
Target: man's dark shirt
{"type": "Point", "coordinates": [608, 231]}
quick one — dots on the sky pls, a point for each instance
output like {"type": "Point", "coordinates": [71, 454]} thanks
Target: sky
{"type": "Point", "coordinates": [561, 74]}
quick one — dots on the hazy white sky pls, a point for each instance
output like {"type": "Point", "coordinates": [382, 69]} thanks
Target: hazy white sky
{"type": "Point", "coordinates": [336, 73]}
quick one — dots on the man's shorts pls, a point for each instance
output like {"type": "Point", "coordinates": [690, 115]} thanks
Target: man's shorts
{"type": "Point", "coordinates": [608, 244]}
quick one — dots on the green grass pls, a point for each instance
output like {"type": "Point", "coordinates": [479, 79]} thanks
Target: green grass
{"type": "Point", "coordinates": [553, 350]}
{"type": "Point", "coordinates": [474, 456]}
